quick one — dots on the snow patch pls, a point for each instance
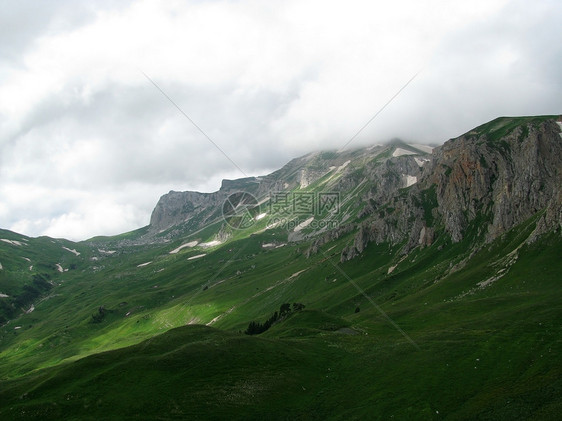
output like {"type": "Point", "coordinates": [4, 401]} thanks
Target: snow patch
{"type": "Point", "coordinates": [260, 216]}
{"type": "Point", "coordinates": [424, 148]}
{"type": "Point", "coordinates": [12, 242]}
{"type": "Point", "coordinates": [190, 244]}
{"type": "Point", "coordinates": [422, 236]}
{"type": "Point", "coordinates": [106, 251]}
{"type": "Point", "coordinates": [210, 243]}
{"type": "Point", "coordinates": [294, 275]}
{"type": "Point", "coordinates": [30, 309]}
{"type": "Point", "coordinates": [400, 152]}
{"type": "Point", "coordinates": [3, 295]}
{"type": "Point", "coordinates": [1, 266]}
{"type": "Point", "coordinates": [196, 257]}
{"type": "Point", "coordinates": [421, 161]}
{"type": "Point", "coordinates": [59, 267]}
{"type": "Point", "coordinates": [17, 327]}
{"type": "Point", "coordinates": [274, 225]}
{"type": "Point", "coordinates": [304, 224]}
{"type": "Point", "coordinates": [31, 267]}
{"type": "Point", "coordinates": [27, 258]}
{"type": "Point", "coordinates": [144, 264]}
{"type": "Point", "coordinates": [72, 251]}
{"type": "Point", "coordinates": [345, 164]}
{"type": "Point", "coordinates": [409, 180]}
{"type": "Point", "coordinates": [268, 245]}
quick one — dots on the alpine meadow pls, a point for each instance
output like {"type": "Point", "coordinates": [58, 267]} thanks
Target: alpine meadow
{"type": "Point", "coordinates": [395, 281]}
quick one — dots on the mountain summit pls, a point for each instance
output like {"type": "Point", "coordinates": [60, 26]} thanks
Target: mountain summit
{"type": "Point", "coordinates": [490, 179]}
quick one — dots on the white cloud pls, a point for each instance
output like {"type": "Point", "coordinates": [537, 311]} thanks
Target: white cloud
{"type": "Point", "coordinates": [80, 124]}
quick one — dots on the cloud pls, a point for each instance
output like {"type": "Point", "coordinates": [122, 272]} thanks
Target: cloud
{"type": "Point", "coordinates": [88, 144]}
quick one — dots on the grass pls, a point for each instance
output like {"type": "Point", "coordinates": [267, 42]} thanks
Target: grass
{"type": "Point", "coordinates": [492, 354]}
{"type": "Point", "coordinates": [170, 344]}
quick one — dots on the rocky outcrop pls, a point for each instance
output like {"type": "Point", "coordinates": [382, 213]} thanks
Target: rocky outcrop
{"type": "Point", "coordinates": [490, 179]}
{"type": "Point", "coordinates": [178, 207]}
{"type": "Point", "coordinates": [348, 169]}
{"type": "Point", "coordinates": [502, 180]}
{"type": "Point", "coordinates": [483, 183]}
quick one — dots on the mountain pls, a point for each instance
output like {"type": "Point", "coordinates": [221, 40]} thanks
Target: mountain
{"type": "Point", "coordinates": [497, 175]}
{"type": "Point", "coordinates": [392, 281]}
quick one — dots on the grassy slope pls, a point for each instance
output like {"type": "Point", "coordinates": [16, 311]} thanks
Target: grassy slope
{"type": "Point", "coordinates": [488, 353]}
{"type": "Point", "coordinates": [492, 352]}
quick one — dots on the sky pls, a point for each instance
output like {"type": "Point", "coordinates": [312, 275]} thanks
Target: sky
{"type": "Point", "coordinates": [107, 105]}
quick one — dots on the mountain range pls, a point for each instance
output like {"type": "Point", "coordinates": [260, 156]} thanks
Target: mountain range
{"type": "Point", "coordinates": [392, 281]}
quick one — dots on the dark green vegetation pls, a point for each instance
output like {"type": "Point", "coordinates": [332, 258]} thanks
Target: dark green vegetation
{"type": "Point", "coordinates": [483, 352]}
{"type": "Point", "coordinates": [467, 330]}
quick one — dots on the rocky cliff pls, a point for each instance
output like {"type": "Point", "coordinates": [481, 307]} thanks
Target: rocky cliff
{"type": "Point", "coordinates": [482, 183]}
{"type": "Point", "coordinates": [489, 180]}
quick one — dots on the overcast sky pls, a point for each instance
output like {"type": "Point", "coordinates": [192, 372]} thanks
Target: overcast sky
{"type": "Point", "coordinates": [88, 144]}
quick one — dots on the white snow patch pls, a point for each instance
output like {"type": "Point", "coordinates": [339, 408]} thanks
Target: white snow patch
{"type": "Point", "coordinates": [17, 327]}
{"type": "Point", "coordinates": [106, 251]}
{"type": "Point", "coordinates": [196, 257]}
{"type": "Point", "coordinates": [27, 258]}
{"type": "Point", "coordinates": [422, 235]}
{"type": "Point", "coordinates": [268, 245]}
{"type": "Point", "coordinates": [72, 251]}
{"type": "Point", "coordinates": [409, 180]}
{"type": "Point", "coordinates": [144, 264]}
{"type": "Point", "coordinates": [281, 245]}
{"type": "Point", "coordinates": [190, 244]}
{"type": "Point", "coordinates": [1, 266]}
{"type": "Point", "coordinates": [211, 243]}
{"type": "Point", "coordinates": [294, 275]}
{"type": "Point", "coordinates": [261, 216]}
{"type": "Point", "coordinates": [31, 267]}
{"type": "Point", "coordinates": [274, 225]}
{"type": "Point", "coordinates": [421, 161]}
{"type": "Point", "coordinates": [304, 224]}
{"type": "Point", "coordinates": [3, 295]}
{"type": "Point", "coordinates": [400, 152]}
{"type": "Point", "coordinates": [30, 309]}
{"type": "Point", "coordinates": [12, 242]}
{"type": "Point", "coordinates": [424, 148]}
{"type": "Point", "coordinates": [59, 267]}
{"type": "Point", "coordinates": [345, 164]}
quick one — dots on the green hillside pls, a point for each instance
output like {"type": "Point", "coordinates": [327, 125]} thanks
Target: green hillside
{"type": "Point", "coordinates": [151, 325]}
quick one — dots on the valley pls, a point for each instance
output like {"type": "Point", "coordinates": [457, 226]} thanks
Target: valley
{"type": "Point", "coordinates": [430, 279]}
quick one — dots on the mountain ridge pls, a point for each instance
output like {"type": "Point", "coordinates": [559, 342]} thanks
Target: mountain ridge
{"type": "Point", "coordinates": [491, 163]}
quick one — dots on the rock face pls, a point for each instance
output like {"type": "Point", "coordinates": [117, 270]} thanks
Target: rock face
{"type": "Point", "coordinates": [482, 183]}
{"type": "Point", "coordinates": [493, 178]}
{"type": "Point", "coordinates": [177, 208]}
{"type": "Point", "coordinates": [506, 178]}
{"type": "Point", "coordinates": [195, 209]}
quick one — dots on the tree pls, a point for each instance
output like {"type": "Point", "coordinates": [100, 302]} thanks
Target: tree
{"type": "Point", "coordinates": [285, 308]}
{"type": "Point", "coordinates": [298, 306]}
